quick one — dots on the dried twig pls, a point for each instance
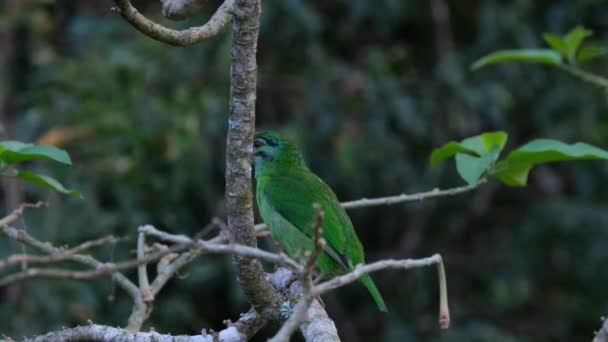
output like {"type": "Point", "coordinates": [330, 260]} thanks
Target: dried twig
{"type": "Point", "coordinates": [360, 270]}
{"type": "Point", "coordinates": [65, 253]}
{"type": "Point", "coordinates": [139, 308]}
{"type": "Point", "coordinates": [390, 200]}
{"type": "Point", "coordinates": [302, 313]}
{"type": "Point", "coordinates": [241, 330]}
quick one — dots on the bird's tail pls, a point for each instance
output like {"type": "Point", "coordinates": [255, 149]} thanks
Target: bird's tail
{"type": "Point", "coordinates": [373, 290]}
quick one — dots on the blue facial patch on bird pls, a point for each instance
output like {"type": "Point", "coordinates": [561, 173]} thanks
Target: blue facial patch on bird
{"type": "Point", "coordinates": [263, 145]}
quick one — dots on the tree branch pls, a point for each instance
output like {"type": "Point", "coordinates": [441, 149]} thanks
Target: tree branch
{"type": "Point", "coordinates": [139, 307]}
{"type": "Point", "coordinates": [142, 270]}
{"type": "Point", "coordinates": [65, 253]}
{"type": "Point", "coordinates": [360, 270]}
{"type": "Point", "coordinates": [200, 247]}
{"type": "Point", "coordinates": [390, 200]}
{"type": "Point", "coordinates": [220, 18]}
{"type": "Point", "coordinates": [602, 334]}
{"type": "Point", "coordinates": [242, 330]}
{"type": "Point", "coordinates": [241, 128]}
{"type": "Point", "coordinates": [308, 314]}
{"type": "Point", "coordinates": [300, 311]}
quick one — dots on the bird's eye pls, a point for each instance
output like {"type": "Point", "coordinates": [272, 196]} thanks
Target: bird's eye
{"type": "Point", "coordinates": [257, 144]}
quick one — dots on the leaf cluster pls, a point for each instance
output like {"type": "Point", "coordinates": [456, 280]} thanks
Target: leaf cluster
{"type": "Point", "coordinates": [477, 157]}
{"type": "Point", "coordinates": [13, 152]}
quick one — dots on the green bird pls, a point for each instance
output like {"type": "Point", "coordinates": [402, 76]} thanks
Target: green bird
{"type": "Point", "coordinates": [286, 190]}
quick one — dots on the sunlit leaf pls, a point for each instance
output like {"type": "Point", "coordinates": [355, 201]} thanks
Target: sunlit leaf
{"type": "Point", "coordinates": [542, 56]}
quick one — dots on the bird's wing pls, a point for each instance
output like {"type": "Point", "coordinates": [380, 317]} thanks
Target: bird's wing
{"type": "Point", "coordinates": [293, 196]}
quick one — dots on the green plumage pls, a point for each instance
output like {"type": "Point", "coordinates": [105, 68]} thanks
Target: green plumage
{"type": "Point", "coordinates": [285, 191]}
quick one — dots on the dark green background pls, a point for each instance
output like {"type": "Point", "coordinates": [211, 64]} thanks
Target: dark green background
{"type": "Point", "coordinates": [365, 90]}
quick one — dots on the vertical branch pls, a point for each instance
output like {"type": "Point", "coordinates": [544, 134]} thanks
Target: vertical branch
{"type": "Point", "coordinates": [241, 128]}
{"type": "Point", "coordinates": [142, 272]}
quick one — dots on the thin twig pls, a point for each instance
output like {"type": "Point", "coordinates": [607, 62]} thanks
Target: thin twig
{"type": "Point", "coordinates": [319, 244]}
{"type": "Point", "coordinates": [214, 248]}
{"type": "Point", "coordinates": [403, 198]}
{"type": "Point", "coordinates": [585, 76]}
{"type": "Point", "coordinates": [63, 255]}
{"type": "Point", "coordinates": [241, 330]}
{"type": "Point", "coordinates": [108, 268]}
{"type": "Point", "coordinates": [139, 307]}
{"type": "Point", "coordinates": [17, 213]}
{"type": "Point", "coordinates": [360, 270]}
{"type": "Point", "coordinates": [390, 200]}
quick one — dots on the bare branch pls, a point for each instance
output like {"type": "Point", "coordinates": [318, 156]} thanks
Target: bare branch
{"type": "Point", "coordinates": [360, 270]}
{"type": "Point", "coordinates": [65, 253]}
{"type": "Point", "coordinates": [17, 213]}
{"type": "Point", "coordinates": [139, 307]}
{"type": "Point", "coordinates": [239, 331]}
{"type": "Point", "coordinates": [168, 271]}
{"type": "Point", "coordinates": [319, 244]}
{"type": "Point", "coordinates": [390, 200]}
{"type": "Point", "coordinates": [220, 18]}
{"type": "Point", "coordinates": [142, 272]}
{"type": "Point", "coordinates": [318, 327]}
{"type": "Point", "coordinates": [300, 311]}
{"type": "Point", "coordinates": [108, 268]}
{"type": "Point", "coordinates": [216, 248]}
{"type": "Point", "coordinates": [602, 334]}
{"type": "Point", "coordinates": [239, 146]}
{"type": "Point", "coordinates": [298, 316]}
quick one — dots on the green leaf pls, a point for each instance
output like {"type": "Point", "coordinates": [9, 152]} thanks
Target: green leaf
{"type": "Point", "coordinates": [474, 155]}
{"type": "Point", "coordinates": [15, 151]}
{"type": "Point", "coordinates": [556, 42]}
{"type": "Point", "coordinates": [542, 56]}
{"type": "Point", "coordinates": [514, 170]}
{"type": "Point", "coordinates": [484, 142]}
{"type": "Point", "coordinates": [573, 40]}
{"type": "Point", "coordinates": [471, 169]}
{"type": "Point", "coordinates": [45, 181]}
{"type": "Point", "coordinates": [447, 151]}
{"type": "Point", "coordinates": [492, 139]}
{"type": "Point", "coordinates": [511, 173]}
{"type": "Point", "coordinates": [590, 52]}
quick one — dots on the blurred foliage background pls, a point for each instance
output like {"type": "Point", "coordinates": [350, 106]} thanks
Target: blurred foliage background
{"type": "Point", "coordinates": [367, 89]}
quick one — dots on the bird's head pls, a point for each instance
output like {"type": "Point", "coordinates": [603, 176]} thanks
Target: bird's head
{"type": "Point", "coordinates": [271, 150]}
